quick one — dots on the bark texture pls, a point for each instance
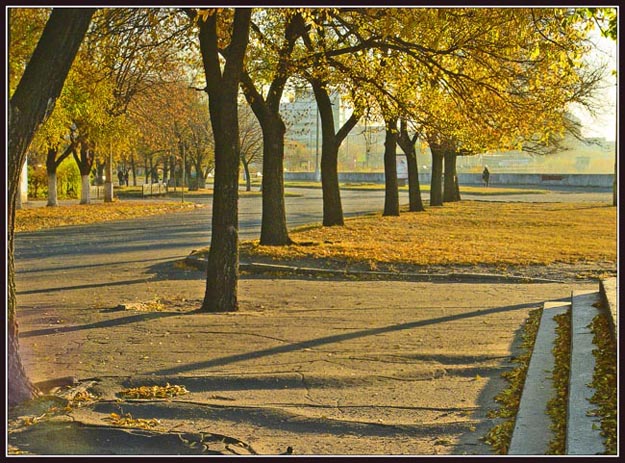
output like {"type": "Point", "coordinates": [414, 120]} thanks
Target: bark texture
{"type": "Point", "coordinates": [436, 184]}
{"type": "Point", "coordinates": [407, 145]}
{"type": "Point", "coordinates": [222, 87]}
{"type": "Point", "coordinates": [29, 107]}
{"type": "Point", "coordinates": [451, 191]}
{"type": "Point", "coordinates": [391, 192]}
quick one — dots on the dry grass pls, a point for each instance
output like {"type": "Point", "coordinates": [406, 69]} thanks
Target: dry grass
{"type": "Point", "coordinates": [464, 233]}
{"type": "Point", "coordinates": [50, 217]}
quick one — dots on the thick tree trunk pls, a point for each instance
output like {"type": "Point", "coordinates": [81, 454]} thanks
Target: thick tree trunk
{"type": "Point", "coordinates": [414, 188]}
{"type": "Point", "coordinates": [273, 229]}
{"type": "Point", "coordinates": [436, 187]}
{"type": "Point", "coordinates": [451, 192]}
{"type": "Point", "coordinates": [391, 191]}
{"type": "Point", "coordinates": [31, 104]}
{"type": "Point", "coordinates": [332, 207]}
{"type": "Point", "coordinates": [223, 260]}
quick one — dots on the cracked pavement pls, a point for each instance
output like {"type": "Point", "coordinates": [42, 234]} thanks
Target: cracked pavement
{"type": "Point", "coordinates": [374, 367]}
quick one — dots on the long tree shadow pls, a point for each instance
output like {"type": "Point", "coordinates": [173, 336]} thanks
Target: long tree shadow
{"type": "Point", "coordinates": [87, 286]}
{"type": "Point", "coordinates": [217, 362]}
{"type": "Point", "coordinates": [102, 324]}
{"type": "Point", "coordinates": [470, 441]}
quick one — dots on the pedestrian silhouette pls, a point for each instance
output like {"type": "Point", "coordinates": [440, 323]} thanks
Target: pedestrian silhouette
{"type": "Point", "coordinates": [486, 175]}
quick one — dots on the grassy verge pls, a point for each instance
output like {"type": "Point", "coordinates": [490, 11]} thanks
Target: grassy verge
{"type": "Point", "coordinates": [465, 233]}
{"type": "Point", "coordinates": [604, 381]}
{"type": "Point", "coordinates": [50, 217]}
{"type": "Point", "coordinates": [499, 436]}
{"type": "Point", "coordinates": [558, 405]}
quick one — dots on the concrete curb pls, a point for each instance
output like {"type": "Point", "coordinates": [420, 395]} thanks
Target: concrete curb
{"type": "Point", "coordinates": [583, 433]}
{"type": "Point", "coordinates": [608, 288]}
{"type": "Point", "coordinates": [268, 268]}
{"type": "Point", "coordinates": [532, 433]}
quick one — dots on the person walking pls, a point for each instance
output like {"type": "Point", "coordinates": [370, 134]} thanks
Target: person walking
{"type": "Point", "coordinates": [486, 175]}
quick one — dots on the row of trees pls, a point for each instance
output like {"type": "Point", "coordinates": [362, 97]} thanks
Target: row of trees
{"type": "Point", "coordinates": [463, 81]}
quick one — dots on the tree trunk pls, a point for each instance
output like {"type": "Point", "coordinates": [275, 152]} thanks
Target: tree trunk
{"type": "Point", "coordinates": [85, 163]}
{"type": "Point", "coordinates": [391, 196]}
{"type": "Point", "coordinates": [85, 190]}
{"type": "Point", "coordinates": [273, 231]}
{"type": "Point", "coordinates": [332, 207]}
{"type": "Point", "coordinates": [414, 188]}
{"type": "Point", "coordinates": [108, 183]}
{"type": "Point", "coordinates": [330, 143]}
{"type": "Point", "coordinates": [23, 181]}
{"type": "Point", "coordinates": [18, 198]}
{"type": "Point", "coordinates": [31, 104]}
{"type": "Point", "coordinates": [51, 167]}
{"type": "Point", "coordinates": [52, 190]}
{"type": "Point", "coordinates": [248, 180]}
{"type": "Point", "coordinates": [436, 187]}
{"type": "Point", "coordinates": [451, 192]}
{"type": "Point", "coordinates": [223, 260]}
{"type": "Point", "coordinates": [273, 226]}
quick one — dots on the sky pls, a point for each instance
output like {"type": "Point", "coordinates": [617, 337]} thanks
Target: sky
{"type": "Point", "coordinates": [604, 124]}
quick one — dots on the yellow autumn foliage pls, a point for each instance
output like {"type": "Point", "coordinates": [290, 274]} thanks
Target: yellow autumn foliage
{"type": "Point", "coordinates": [463, 233]}
{"type": "Point", "coordinates": [41, 218]}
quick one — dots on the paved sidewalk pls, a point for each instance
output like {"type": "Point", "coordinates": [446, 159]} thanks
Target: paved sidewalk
{"type": "Point", "coordinates": [321, 366]}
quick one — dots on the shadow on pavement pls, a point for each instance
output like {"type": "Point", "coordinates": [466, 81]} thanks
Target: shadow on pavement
{"type": "Point", "coordinates": [334, 339]}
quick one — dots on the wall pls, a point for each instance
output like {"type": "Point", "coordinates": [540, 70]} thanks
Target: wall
{"type": "Point", "coordinates": [580, 180]}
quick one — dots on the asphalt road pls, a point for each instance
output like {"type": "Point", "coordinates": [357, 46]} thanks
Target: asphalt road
{"type": "Point", "coordinates": [59, 256]}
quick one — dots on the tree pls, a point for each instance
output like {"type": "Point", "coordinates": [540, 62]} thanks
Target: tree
{"type": "Point", "coordinates": [251, 142]}
{"type": "Point", "coordinates": [277, 36]}
{"type": "Point", "coordinates": [391, 196]}
{"type": "Point", "coordinates": [222, 85]}
{"type": "Point", "coordinates": [31, 103]}
{"type": "Point", "coordinates": [407, 144]}
{"type": "Point", "coordinates": [331, 140]}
